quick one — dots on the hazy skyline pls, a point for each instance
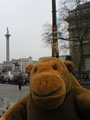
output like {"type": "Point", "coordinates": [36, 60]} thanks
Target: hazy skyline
{"type": "Point", "coordinates": [25, 19]}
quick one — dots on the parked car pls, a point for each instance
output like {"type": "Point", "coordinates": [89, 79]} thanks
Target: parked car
{"type": "Point", "coordinates": [5, 78]}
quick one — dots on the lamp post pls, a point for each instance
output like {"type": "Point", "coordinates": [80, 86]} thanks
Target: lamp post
{"type": "Point", "coordinates": [55, 52]}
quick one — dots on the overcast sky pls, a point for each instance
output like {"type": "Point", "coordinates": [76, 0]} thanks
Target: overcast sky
{"type": "Point", "coordinates": [25, 19]}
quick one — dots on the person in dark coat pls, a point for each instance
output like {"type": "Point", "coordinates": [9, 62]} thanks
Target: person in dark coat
{"type": "Point", "coordinates": [87, 78]}
{"type": "Point", "coordinates": [20, 81]}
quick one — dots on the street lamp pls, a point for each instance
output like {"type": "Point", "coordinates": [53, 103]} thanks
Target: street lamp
{"type": "Point", "coordinates": [55, 52]}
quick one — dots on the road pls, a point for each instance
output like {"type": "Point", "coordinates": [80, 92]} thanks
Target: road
{"type": "Point", "coordinates": [10, 94]}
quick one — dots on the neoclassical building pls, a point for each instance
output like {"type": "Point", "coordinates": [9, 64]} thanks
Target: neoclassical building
{"type": "Point", "coordinates": [79, 26]}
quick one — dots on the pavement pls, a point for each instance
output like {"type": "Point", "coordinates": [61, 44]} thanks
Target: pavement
{"type": "Point", "coordinates": [10, 94]}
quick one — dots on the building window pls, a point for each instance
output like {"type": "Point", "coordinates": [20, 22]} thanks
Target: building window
{"type": "Point", "coordinates": [87, 63]}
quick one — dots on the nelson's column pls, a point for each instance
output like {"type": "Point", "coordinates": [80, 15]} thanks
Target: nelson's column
{"type": "Point", "coordinates": [7, 46]}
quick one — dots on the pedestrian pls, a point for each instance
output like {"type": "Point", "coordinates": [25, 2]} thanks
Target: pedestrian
{"type": "Point", "coordinates": [87, 78]}
{"type": "Point", "coordinates": [20, 81]}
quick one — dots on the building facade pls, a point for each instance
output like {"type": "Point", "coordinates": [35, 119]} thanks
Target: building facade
{"type": "Point", "coordinates": [79, 31]}
{"type": "Point", "coordinates": [22, 63]}
{"type": "Point", "coordinates": [16, 65]}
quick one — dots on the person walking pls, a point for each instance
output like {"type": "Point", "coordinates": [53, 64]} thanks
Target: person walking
{"type": "Point", "coordinates": [20, 81]}
{"type": "Point", "coordinates": [87, 78]}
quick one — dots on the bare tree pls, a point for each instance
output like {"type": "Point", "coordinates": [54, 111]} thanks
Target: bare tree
{"type": "Point", "coordinates": [74, 14]}
{"type": "Point", "coordinates": [47, 34]}
{"type": "Point", "coordinates": [70, 15]}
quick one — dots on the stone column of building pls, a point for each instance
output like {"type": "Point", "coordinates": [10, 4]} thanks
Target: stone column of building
{"type": "Point", "coordinates": [7, 46]}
